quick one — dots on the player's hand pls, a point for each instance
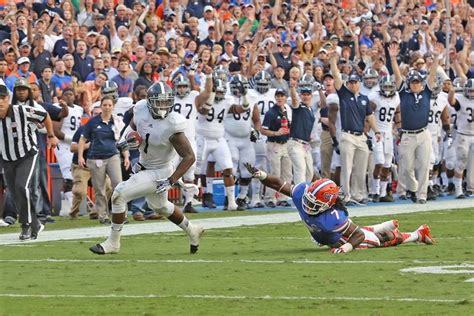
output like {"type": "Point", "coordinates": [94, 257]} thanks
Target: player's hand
{"type": "Point", "coordinates": [254, 135]}
{"type": "Point", "coordinates": [337, 250]}
{"type": "Point", "coordinates": [163, 185]}
{"type": "Point", "coordinates": [255, 172]}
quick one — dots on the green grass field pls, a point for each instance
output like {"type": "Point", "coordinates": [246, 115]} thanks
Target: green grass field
{"type": "Point", "coordinates": [250, 270]}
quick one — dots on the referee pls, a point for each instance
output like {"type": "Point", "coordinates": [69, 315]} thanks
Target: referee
{"type": "Point", "coordinates": [19, 154]}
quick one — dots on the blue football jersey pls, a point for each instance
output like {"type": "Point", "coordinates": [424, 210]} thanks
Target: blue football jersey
{"type": "Point", "coordinates": [325, 227]}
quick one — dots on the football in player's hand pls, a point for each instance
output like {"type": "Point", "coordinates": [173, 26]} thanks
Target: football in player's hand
{"type": "Point", "coordinates": [134, 139]}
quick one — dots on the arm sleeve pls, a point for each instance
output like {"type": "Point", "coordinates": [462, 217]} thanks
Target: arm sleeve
{"type": "Point", "coordinates": [34, 115]}
{"type": "Point", "coordinates": [52, 110]}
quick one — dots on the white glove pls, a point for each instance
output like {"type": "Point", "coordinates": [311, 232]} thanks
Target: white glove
{"type": "Point", "coordinates": [163, 185]}
{"type": "Point", "coordinates": [255, 172]}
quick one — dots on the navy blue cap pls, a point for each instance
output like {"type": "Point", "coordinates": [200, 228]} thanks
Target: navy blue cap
{"type": "Point", "coordinates": [281, 91]}
{"type": "Point", "coordinates": [353, 77]}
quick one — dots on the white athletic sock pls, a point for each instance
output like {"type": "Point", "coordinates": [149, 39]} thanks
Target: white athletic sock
{"type": "Point", "coordinates": [68, 195]}
{"type": "Point", "coordinates": [430, 183]}
{"type": "Point", "coordinates": [383, 188]}
{"type": "Point", "coordinates": [256, 190]}
{"type": "Point", "coordinates": [185, 224]}
{"type": "Point", "coordinates": [457, 185]}
{"type": "Point", "coordinates": [115, 232]}
{"type": "Point", "coordinates": [244, 190]}
{"type": "Point", "coordinates": [435, 180]}
{"type": "Point", "coordinates": [375, 186]}
{"type": "Point", "coordinates": [450, 180]}
{"type": "Point", "coordinates": [188, 196]}
{"type": "Point", "coordinates": [230, 193]}
{"type": "Point", "coordinates": [444, 178]}
{"type": "Point", "coordinates": [209, 185]}
{"type": "Point", "coordinates": [383, 227]}
{"type": "Point", "coordinates": [410, 237]}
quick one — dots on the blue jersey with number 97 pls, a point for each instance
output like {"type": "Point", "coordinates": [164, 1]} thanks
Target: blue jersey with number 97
{"type": "Point", "coordinates": [326, 227]}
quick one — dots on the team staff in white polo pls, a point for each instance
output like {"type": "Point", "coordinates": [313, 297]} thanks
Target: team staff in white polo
{"type": "Point", "coordinates": [19, 155]}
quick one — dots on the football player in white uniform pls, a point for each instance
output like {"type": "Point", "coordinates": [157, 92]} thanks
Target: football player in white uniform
{"type": "Point", "coordinates": [185, 104]}
{"type": "Point", "coordinates": [449, 152]}
{"type": "Point", "coordinates": [210, 135]}
{"type": "Point", "coordinates": [370, 81]}
{"type": "Point", "coordinates": [64, 131]}
{"type": "Point", "coordinates": [464, 143]}
{"type": "Point", "coordinates": [384, 103]}
{"type": "Point", "coordinates": [438, 114]}
{"type": "Point", "coordinates": [121, 104]}
{"type": "Point", "coordinates": [239, 133]}
{"type": "Point", "coordinates": [264, 98]}
{"type": "Point", "coordinates": [162, 133]}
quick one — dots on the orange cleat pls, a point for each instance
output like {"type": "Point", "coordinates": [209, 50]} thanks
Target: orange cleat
{"type": "Point", "coordinates": [425, 235]}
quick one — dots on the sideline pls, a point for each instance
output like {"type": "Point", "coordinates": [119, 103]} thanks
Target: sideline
{"type": "Point", "coordinates": [227, 222]}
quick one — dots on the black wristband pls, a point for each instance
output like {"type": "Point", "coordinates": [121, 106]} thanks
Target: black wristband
{"type": "Point", "coordinates": [51, 136]}
{"type": "Point", "coordinates": [446, 127]}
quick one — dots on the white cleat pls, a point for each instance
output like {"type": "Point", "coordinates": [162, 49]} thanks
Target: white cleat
{"type": "Point", "coordinates": [3, 223]}
{"type": "Point", "coordinates": [105, 248]}
{"type": "Point", "coordinates": [194, 233]}
{"type": "Point", "coordinates": [232, 206]}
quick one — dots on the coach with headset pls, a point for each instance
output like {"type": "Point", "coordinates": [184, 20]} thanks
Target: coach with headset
{"type": "Point", "coordinates": [19, 154]}
{"type": "Point", "coordinates": [413, 113]}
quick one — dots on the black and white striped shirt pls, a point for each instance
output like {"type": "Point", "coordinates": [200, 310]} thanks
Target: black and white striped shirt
{"type": "Point", "coordinates": [18, 138]}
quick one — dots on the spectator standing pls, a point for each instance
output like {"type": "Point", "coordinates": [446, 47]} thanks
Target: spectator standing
{"type": "Point", "coordinates": [124, 83]}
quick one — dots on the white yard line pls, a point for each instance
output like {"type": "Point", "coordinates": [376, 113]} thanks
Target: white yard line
{"type": "Point", "coordinates": [462, 263]}
{"type": "Point", "coordinates": [228, 222]}
{"type": "Point", "coordinates": [234, 297]}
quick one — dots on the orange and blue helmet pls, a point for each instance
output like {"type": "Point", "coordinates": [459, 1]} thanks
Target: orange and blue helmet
{"type": "Point", "coordinates": [320, 196]}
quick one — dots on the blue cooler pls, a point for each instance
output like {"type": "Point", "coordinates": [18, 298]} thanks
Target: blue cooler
{"type": "Point", "coordinates": [219, 192]}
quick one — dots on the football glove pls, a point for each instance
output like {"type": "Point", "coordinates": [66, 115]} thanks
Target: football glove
{"type": "Point", "coordinates": [254, 135]}
{"type": "Point", "coordinates": [369, 143]}
{"type": "Point", "coordinates": [163, 185]}
{"type": "Point", "coordinates": [255, 172]}
{"type": "Point", "coordinates": [337, 250]}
